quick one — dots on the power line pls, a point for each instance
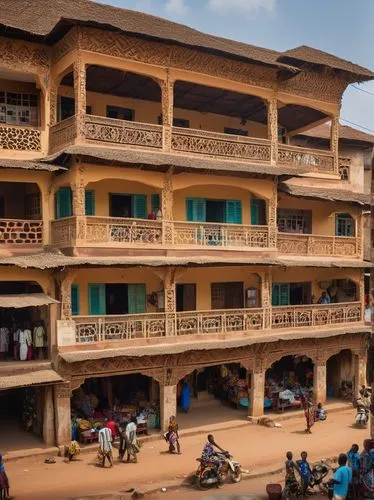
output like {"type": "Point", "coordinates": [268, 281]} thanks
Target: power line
{"type": "Point", "coordinates": [363, 90]}
{"type": "Point", "coordinates": [357, 125]}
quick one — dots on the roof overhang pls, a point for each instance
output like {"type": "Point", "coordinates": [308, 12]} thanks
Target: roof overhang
{"type": "Point", "coordinates": [18, 301]}
{"type": "Point", "coordinates": [38, 377]}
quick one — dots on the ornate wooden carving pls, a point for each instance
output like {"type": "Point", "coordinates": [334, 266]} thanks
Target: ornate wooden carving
{"type": "Point", "coordinates": [272, 106]}
{"type": "Point", "coordinates": [21, 232]}
{"type": "Point", "coordinates": [334, 143]}
{"type": "Point", "coordinates": [79, 72]}
{"type": "Point", "coordinates": [272, 216]}
{"type": "Point", "coordinates": [329, 246]}
{"type": "Point", "coordinates": [68, 43]}
{"type": "Point", "coordinates": [63, 391]}
{"type": "Point", "coordinates": [20, 138]}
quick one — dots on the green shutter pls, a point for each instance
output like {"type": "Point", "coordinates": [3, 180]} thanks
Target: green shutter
{"type": "Point", "coordinates": [155, 203]}
{"type": "Point", "coordinates": [139, 206]}
{"type": "Point", "coordinates": [63, 203]}
{"type": "Point", "coordinates": [196, 209]}
{"type": "Point", "coordinates": [255, 211]}
{"type": "Point", "coordinates": [75, 300]}
{"type": "Point", "coordinates": [96, 299]}
{"type": "Point", "coordinates": [136, 299]}
{"type": "Point", "coordinates": [89, 202]}
{"type": "Point", "coordinates": [280, 294]}
{"type": "Point", "coordinates": [233, 212]}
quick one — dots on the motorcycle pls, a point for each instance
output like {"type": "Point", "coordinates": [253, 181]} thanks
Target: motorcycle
{"type": "Point", "coordinates": [207, 475]}
{"type": "Point", "coordinates": [362, 415]}
{"type": "Point", "coordinates": [319, 472]}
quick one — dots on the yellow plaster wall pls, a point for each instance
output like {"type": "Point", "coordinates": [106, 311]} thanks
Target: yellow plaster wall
{"type": "Point", "coordinates": [149, 112]}
{"type": "Point", "coordinates": [323, 213]}
{"type": "Point", "coordinates": [203, 278]}
{"type": "Point", "coordinates": [104, 188]}
{"type": "Point", "coordinates": [43, 278]}
{"type": "Point", "coordinates": [111, 275]}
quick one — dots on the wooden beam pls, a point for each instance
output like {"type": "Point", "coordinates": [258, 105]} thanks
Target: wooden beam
{"type": "Point", "coordinates": [300, 130]}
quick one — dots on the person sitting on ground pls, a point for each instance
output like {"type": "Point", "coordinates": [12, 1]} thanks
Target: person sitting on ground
{"type": "Point", "coordinates": [291, 466]}
{"type": "Point", "coordinates": [105, 446]}
{"type": "Point", "coordinates": [354, 463]}
{"type": "Point", "coordinates": [305, 471]}
{"type": "Point", "coordinates": [209, 455]}
{"type": "Point", "coordinates": [324, 299]}
{"type": "Point", "coordinates": [342, 478]}
{"type": "Point", "coordinates": [4, 482]}
{"type": "Point", "coordinates": [72, 450]}
{"type": "Point", "coordinates": [321, 413]}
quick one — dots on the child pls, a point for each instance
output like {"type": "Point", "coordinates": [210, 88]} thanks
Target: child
{"type": "Point", "coordinates": [290, 479]}
{"type": "Point", "coordinates": [305, 471]}
{"type": "Point", "coordinates": [354, 463]}
{"type": "Point", "coordinates": [321, 412]}
{"type": "Point", "coordinates": [4, 483]}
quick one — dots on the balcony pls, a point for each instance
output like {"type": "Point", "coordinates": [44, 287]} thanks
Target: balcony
{"type": "Point", "coordinates": [312, 159]}
{"type": "Point", "coordinates": [252, 321]}
{"type": "Point", "coordinates": [122, 232]}
{"type": "Point", "coordinates": [324, 246]}
{"type": "Point", "coordinates": [20, 232]}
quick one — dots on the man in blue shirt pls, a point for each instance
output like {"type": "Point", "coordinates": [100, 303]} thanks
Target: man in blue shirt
{"type": "Point", "coordinates": [342, 478]}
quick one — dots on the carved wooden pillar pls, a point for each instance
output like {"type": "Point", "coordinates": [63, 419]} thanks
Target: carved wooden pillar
{"type": "Point", "coordinates": [47, 216]}
{"type": "Point", "coordinates": [334, 142]}
{"type": "Point", "coordinates": [372, 412]}
{"type": "Point", "coordinates": [361, 293]}
{"type": "Point", "coordinates": [360, 362]}
{"type": "Point", "coordinates": [78, 187]}
{"type": "Point", "coordinates": [168, 404]}
{"type": "Point", "coordinates": [167, 209]}
{"type": "Point", "coordinates": [266, 286]}
{"type": "Point", "coordinates": [319, 381]}
{"type": "Point", "coordinates": [48, 417]}
{"type": "Point", "coordinates": [272, 106]}
{"type": "Point", "coordinates": [360, 235]}
{"type": "Point", "coordinates": [170, 301]}
{"type": "Point", "coordinates": [272, 216]}
{"type": "Point", "coordinates": [167, 103]}
{"type": "Point", "coordinates": [62, 395]}
{"type": "Point", "coordinates": [257, 390]}
{"type": "Point", "coordinates": [53, 101]}
{"type": "Point", "coordinates": [66, 280]}
{"type": "Point", "coordinates": [79, 71]}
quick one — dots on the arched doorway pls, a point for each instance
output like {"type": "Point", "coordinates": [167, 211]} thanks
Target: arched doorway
{"type": "Point", "coordinates": [340, 375]}
{"type": "Point", "coordinates": [287, 381]}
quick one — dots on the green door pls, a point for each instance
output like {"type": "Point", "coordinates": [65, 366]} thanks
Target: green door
{"type": "Point", "coordinates": [139, 206]}
{"type": "Point", "coordinates": [196, 209]}
{"type": "Point", "coordinates": [233, 212]}
{"type": "Point", "coordinates": [96, 299]}
{"type": "Point", "coordinates": [258, 212]}
{"type": "Point", "coordinates": [89, 202]}
{"type": "Point", "coordinates": [64, 207]}
{"type": "Point", "coordinates": [136, 299]}
{"type": "Point", "coordinates": [74, 300]}
{"type": "Point", "coordinates": [280, 294]}
{"type": "Point", "coordinates": [155, 203]}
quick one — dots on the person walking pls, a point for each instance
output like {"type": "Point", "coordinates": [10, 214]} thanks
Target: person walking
{"type": "Point", "coordinates": [105, 446]}
{"type": "Point", "coordinates": [310, 414]}
{"type": "Point", "coordinates": [4, 482]}
{"type": "Point", "coordinates": [305, 471]}
{"type": "Point", "coordinates": [132, 446]}
{"type": "Point", "coordinates": [172, 437]}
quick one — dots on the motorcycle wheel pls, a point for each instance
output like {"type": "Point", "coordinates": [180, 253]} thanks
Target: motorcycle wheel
{"type": "Point", "coordinates": [202, 480]}
{"type": "Point", "coordinates": [236, 476]}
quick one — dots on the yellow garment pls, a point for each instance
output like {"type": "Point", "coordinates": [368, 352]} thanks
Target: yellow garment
{"type": "Point", "coordinates": [85, 425]}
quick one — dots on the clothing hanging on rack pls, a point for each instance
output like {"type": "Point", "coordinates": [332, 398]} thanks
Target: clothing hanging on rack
{"type": "Point", "coordinates": [4, 339]}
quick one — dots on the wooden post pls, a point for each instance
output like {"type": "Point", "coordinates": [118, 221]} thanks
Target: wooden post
{"type": "Point", "coordinates": [79, 72]}
{"type": "Point", "coordinates": [334, 143]}
{"type": "Point", "coordinates": [167, 103]}
{"type": "Point", "coordinates": [272, 106]}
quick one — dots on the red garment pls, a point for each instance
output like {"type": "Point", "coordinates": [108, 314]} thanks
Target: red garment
{"type": "Point", "coordinates": [112, 426]}
{"type": "Point", "coordinates": [29, 353]}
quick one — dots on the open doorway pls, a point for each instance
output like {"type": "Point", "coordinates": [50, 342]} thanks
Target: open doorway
{"type": "Point", "coordinates": [120, 205]}
{"type": "Point", "coordinates": [116, 298]}
{"type": "Point", "coordinates": [216, 211]}
{"type": "Point", "coordinates": [186, 297]}
{"type": "Point", "coordinates": [227, 295]}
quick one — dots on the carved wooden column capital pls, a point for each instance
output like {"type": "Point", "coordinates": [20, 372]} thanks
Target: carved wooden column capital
{"type": "Point", "coordinates": [335, 142]}
{"type": "Point", "coordinates": [272, 106]}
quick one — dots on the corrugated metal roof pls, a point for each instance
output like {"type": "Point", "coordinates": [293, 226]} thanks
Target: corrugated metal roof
{"type": "Point", "coordinates": [31, 378]}
{"type": "Point", "coordinates": [21, 300]}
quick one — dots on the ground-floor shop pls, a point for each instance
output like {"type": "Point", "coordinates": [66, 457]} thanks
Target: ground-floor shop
{"type": "Point", "coordinates": [242, 379]}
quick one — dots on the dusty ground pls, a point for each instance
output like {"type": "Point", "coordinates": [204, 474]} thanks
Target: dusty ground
{"type": "Point", "coordinates": [257, 448]}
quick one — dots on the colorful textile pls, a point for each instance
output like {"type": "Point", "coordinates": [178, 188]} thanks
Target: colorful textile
{"type": "Point", "coordinates": [353, 460]}
{"type": "Point", "coordinates": [105, 441]}
{"type": "Point", "coordinates": [185, 397]}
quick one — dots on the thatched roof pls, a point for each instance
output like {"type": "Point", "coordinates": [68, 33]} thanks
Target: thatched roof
{"type": "Point", "coordinates": [165, 160]}
{"type": "Point", "coordinates": [305, 54]}
{"type": "Point", "coordinates": [38, 377]}
{"type": "Point", "coordinates": [46, 20]}
{"type": "Point", "coordinates": [30, 165]}
{"type": "Point", "coordinates": [325, 194]}
{"type": "Point", "coordinates": [345, 134]}
{"type": "Point", "coordinates": [55, 259]}
{"type": "Point", "coordinates": [202, 344]}
{"type": "Point", "coordinates": [18, 301]}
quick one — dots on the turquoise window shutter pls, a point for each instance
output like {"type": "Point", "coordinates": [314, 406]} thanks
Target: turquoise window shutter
{"type": "Point", "coordinates": [155, 203]}
{"type": "Point", "coordinates": [275, 295]}
{"type": "Point", "coordinates": [136, 299]}
{"type": "Point", "coordinates": [74, 300]}
{"type": "Point", "coordinates": [233, 211]}
{"type": "Point", "coordinates": [64, 203]}
{"type": "Point", "coordinates": [280, 295]}
{"type": "Point", "coordinates": [196, 209]}
{"type": "Point", "coordinates": [139, 206]}
{"type": "Point", "coordinates": [254, 211]}
{"type": "Point", "coordinates": [89, 202]}
{"type": "Point", "coordinates": [96, 299]}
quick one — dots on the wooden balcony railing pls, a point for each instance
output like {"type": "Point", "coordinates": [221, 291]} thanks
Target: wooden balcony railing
{"type": "Point", "coordinates": [63, 134]}
{"type": "Point", "coordinates": [19, 138]}
{"type": "Point", "coordinates": [113, 131]}
{"type": "Point", "coordinates": [146, 326]}
{"type": "Point", "coordinates": [21, 232]}
{"type": "Point", "coordinates": [216, 144]}
{"type": "Point", "coordinates": [220, 235]}
{"type": "Point", "coordinates": [312, 159]}
{"type": "Point", "coordinates": [324, 246]}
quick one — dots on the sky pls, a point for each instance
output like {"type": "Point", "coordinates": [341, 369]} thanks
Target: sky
{"type": "Point", "coordinates": [342, 27]}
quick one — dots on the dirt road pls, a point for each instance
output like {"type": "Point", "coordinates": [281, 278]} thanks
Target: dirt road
{"type": "Point", "coordinates": [257, 448]}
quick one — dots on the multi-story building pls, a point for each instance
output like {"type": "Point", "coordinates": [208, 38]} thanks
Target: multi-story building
{"type": "Point", "coordinates": [160, 184]}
